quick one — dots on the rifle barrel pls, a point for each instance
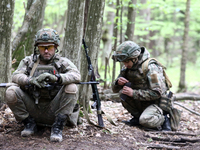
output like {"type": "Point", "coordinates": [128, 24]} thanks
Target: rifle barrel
{"type": "Point", "coordinates": [8, 84]}
{"type": "Point", "coordinates": [97, 103]}
{"type": "Point", "coordinates": [91, 82]}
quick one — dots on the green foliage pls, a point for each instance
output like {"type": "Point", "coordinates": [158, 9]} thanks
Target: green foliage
{"type": "Point", "coordinates": [192, 73]}
{"type": "Point", "coordinates": [19, 12]}
{"type": "Point", "coordinates": [149, 140]}
{"type": "Point", "coordinates": [55, 10]}
{"type": "Point", "coordinates": [81, 113]}
{"type": "Point", "coordinates": [166, 19]}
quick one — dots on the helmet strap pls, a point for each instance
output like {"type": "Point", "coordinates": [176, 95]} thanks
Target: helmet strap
{"type": "Point", "coordinates": [134, 62]}
{"type": "Point", "coordinates": [35, 55]}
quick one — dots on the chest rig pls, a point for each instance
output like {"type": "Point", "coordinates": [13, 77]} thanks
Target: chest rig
{"type": "Point", "coordinates": [136, 77]}
{"type": "Point", "coordinates": [50, 91]}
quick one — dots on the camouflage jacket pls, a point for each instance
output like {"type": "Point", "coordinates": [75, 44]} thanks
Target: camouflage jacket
{"type": "Point", "coordinates": [67, 70]}
{"type": "Point", "coordinates": [148, 87]}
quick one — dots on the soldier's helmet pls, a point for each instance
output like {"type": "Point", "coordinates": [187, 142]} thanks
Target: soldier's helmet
{"type": "Point", "coordinates": [126, 50]}
{"type": "Point", "coordinates": [47, 36]}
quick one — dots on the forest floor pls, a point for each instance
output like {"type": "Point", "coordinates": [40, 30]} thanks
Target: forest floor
{"type": "Point", "coordinates": [119, 137]}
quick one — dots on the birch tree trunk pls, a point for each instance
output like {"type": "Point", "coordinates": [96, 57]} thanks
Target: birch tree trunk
{"type": "Point", "coordinates": [74, 31]}
{"type": "Point", "coordinates": [23, 43]}
{"type": "Point", "coordinates": [93, 34]}
{"type": "Point", "coordinates": [182, 86]}
{"type": "Point", "coordinates": [131, 20]}
{"type": "Point", "coordinates": [6, 21]}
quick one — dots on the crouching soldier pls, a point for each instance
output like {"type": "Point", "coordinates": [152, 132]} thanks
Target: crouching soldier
{"type": "Point", "coordinates": [46, 93]}
{"type": "Point", "coordinates": [144, 87]}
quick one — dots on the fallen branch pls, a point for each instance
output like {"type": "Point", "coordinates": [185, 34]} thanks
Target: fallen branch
{"type": "Point", "coordinates": [160, 146]}
{"type": "Point", "coordinates": [173, 133]}
{"type": "Point", "coordinates": [178, 139]}
{"type": "Point", "coordinates": [190, 110]}
{"type": "Point", "coordinates": [184, 96]}
{"type": "Point", "coordinates": [179, 96]}
{"type": "Point", "coordinates": [177, 143]}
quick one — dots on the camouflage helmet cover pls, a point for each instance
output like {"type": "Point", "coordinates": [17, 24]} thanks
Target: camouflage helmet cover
{"type": "Point", "coordinates": [47, 36]}
{"type": "Point", "coordinates": [127, 50]}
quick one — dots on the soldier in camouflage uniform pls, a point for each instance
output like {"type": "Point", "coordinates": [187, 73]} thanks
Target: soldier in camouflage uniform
{"type": "Point", "coordinates": [143, 96]}
{"type": "Point", "coordinates": [47, 93]}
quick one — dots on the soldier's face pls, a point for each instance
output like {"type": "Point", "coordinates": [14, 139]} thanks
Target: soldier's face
{"type": "Point", "coordinates": [46, 50]}
{"type": "Point", "coordinates": [129, 64]}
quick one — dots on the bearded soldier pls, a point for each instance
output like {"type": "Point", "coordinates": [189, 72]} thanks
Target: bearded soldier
{"type": "Point", "coordinates": [46, 93]}
{"type": "Point", "coordinates": [141, 92]}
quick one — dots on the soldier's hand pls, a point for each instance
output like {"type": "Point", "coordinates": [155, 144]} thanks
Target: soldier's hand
{"type": "Point", "coordinates": [127, 91]}
{"type": "Point", "coordinates": [34, 81]}
{"type": "Point", "coordinates": [47, 77]}
{"type": "Point", "coordinates": [122, 81]}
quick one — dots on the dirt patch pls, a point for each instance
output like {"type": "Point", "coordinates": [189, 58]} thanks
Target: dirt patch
{"type": "Point", "coordinates": [119, 137]}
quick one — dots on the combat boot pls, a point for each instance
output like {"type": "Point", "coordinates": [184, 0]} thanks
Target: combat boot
{"type": "Point", "coordinates": [132, 122]}
{"type": "Point", "coordinates": [57, 127]}
{"type": "Point", "coordinates": [166, 125]}
{"type": "Point", "coordinates": [30, 127]}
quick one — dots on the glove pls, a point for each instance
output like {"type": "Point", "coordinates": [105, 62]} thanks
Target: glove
{"type": "Point", "coordinates": [47, 77]}
{"type": "Point", "coordinates": [34, 81]}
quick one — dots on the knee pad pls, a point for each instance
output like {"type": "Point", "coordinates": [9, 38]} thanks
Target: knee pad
{"type": "Point", "coordinates": [153, 117]}
{"type": "Point", "coordinates": [71, 88]}
{"type": "Point", "coordinates": [10, 95]}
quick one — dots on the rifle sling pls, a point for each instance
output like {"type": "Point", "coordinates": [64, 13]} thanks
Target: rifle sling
{"type": "Point", "coordinates": [34, 67]}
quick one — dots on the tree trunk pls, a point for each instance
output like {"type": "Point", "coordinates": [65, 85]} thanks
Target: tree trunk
{"type": "Point", "coordinates": [6, 21]}
{"type": "Point", "coordinates": [182, 86]}
{"type": "Point", "coordinates": [74, 31]}
{"type": "Point", "coordinates": [107, 42]}
{"type": "Point", "coordinates": [92, 38]}
{"type": "Point", "coordinates": [131, 20]}
{"type": "Point", "coordinates": [121, 39]}
{"type": "Point", "coordinates": [152, 44]}
{"type": "Point", "coordinates": [115, 42]}
{"type": "Point", "coordinates": [23, 42]}
{"type": "Point", "coordinates": [145, 13]}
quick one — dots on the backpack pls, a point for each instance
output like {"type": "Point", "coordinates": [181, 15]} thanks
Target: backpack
{"type": "Point", "coordinates": [166, 101]}
{"type": "Point", "coordinates": [145, 69]}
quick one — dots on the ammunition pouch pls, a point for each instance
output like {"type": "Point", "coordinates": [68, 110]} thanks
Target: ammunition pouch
{"type": "Point", "coordinates": [166, 104]}
{"type": "Point", "coordinates": [44, 93]}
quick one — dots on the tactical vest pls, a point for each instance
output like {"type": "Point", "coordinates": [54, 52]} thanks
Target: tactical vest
{"type": "Point", "coordinates": [49, 92]}
{"type": "Point", "coordinates": [136, 78]}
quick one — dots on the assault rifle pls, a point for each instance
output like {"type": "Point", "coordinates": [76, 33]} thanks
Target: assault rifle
{"type": "Point", "coordinates": [93, 83]}
{"type": "Point", "coordinates": [5, 85]}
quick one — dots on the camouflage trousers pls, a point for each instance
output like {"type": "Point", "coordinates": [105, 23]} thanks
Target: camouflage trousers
{"type": "Point", "coordinates": [44, 113]}
{"type": "Point", "coordinates": [150, 116]}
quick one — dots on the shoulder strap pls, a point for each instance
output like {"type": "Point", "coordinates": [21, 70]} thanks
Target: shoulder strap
{"type": "Point", "coordinates": [145, 69]}
{"type": "Point", "coordinates": [34, 67]}
{"type": "Point", "coordinates": [145, 66]}
{"type": "Point", "coordinates": [146, 63]}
